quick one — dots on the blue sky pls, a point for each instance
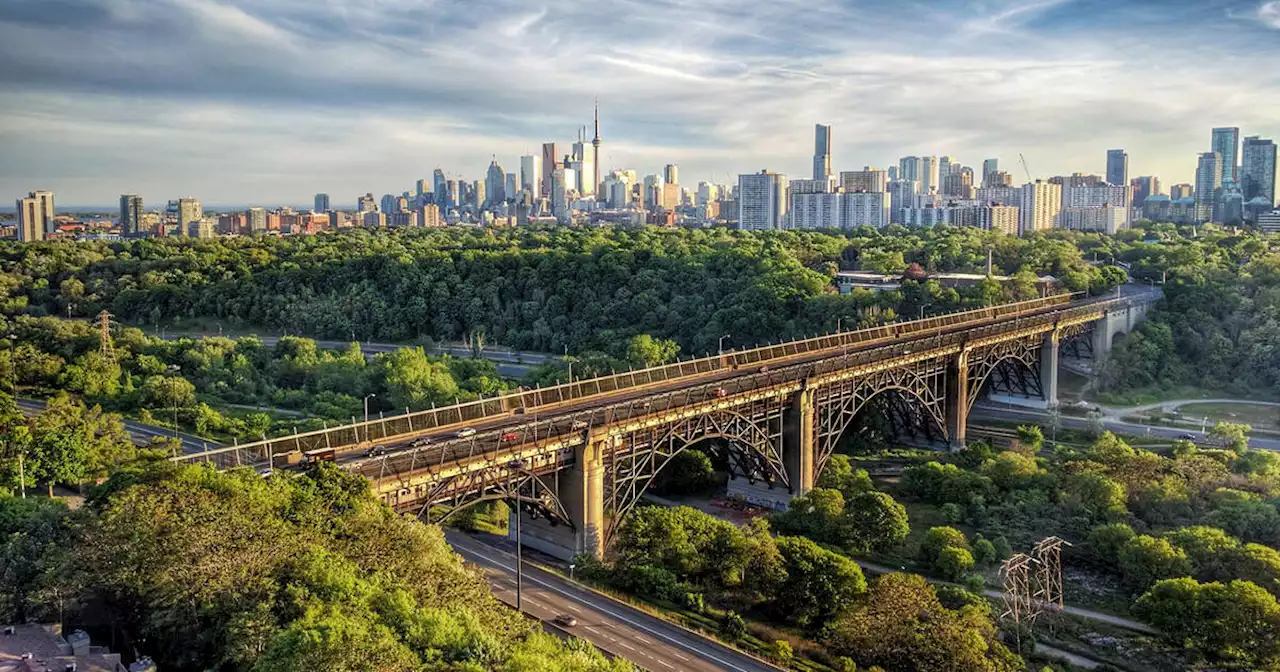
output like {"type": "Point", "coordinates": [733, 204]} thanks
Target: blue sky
{"type": "Point", "coordinates": [269, 101]}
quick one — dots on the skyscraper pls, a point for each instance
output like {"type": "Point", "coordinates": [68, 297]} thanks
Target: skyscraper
{"type": "Point", "coordinates": [1226, 142]}
{"type": "Point", "coordinates": [989, 167]}
{"type": "Point", "coordinates": [671, 174]}
{"type": "Point", "coordinates": [365, 203]}
{"type": "Point", "coordinates": [322, 203]}
{"type": "Point", "coordinates": [867, 179]}
{"type": "Point", "coordinates": [1117, 167]}
{"type": "Point", "coordinates": [1180, 191]}
{"type": "Point", "coordinates": [1143, 187]}
{"type": "Point", "coordinates": [31, 220]}
{"type": "Point", "coordinates": [422, 186]}
{"type": "Point", "coordinates": [762, 201]}
{"type": "Point", "coordinates": [595, 152]}
{"type": "Point", "coordinates": [1208, 179]}
{"type": "Point", "coordinates": [189, 211]}
{"type": "Point", "coordinates": [1041, 206]}
{"type": "Point", "coordinates": [821, 152]}
{"type": "Point", "coordinates": [928, 166]}
{"type": "Point", "coordinates": [130, 213]}
{"type": "Point", "coordinates": [531, 175]}
{"type": "Point", "coordinates": [257, 220]}
{"type": "Point", "coordinates": [512, 190]}
{"type": "Point", "coordinates": [495, 183]}
{"type": "Point", "coordinates": [1258, 170]}
{"type": "Point", "coordinates": [441, 192]}
{"type": "Point", "coordinates": [909, 168]}
{"type": "Point", "coordinates": [388, 204]}
{"type": "Point", "coordinates": [550, 161]}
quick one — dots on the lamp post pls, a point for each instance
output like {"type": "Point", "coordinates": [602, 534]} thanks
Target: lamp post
{"type": "Point", "coordinates": [720, 344]}
{"type": "Point", "coordinates": [174, 368]}
{"type": "Point", "coordinates": [13, 365]}
{"type": "Point", "coordinates": [367, 397]}
{"type": "Point", "coordinates": [518, 465]}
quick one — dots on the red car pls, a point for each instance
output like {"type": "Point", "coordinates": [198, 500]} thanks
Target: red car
{"type": "Point", "coordinates": [721, 393]}
{"type": "Point", "coordinates": [511, 436]}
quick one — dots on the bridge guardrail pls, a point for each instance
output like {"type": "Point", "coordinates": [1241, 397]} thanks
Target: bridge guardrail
{"type": "Point", "coordinates": [366, 433]}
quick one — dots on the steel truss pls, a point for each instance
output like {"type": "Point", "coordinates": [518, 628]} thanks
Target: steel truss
{"type": "Point", "coordinates": [1012, 367]}
{"type": "Point", "coordinates": [534, 487]}
{"type": "Point", "coordinates": [752, 444]}
{"type": "Point", "coordinates": [1077, 341]}
{"type": "Point", "coordinates": [911, 397]}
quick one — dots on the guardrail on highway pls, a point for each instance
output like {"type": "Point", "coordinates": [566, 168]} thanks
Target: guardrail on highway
{"type": "Point", "coordinates": [366, 433]}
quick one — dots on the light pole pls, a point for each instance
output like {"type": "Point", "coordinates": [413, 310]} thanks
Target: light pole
{"type": "Point", "coordinates": [13, 366]}
{"type": "Point", "coordinates": [570, 361]}
{"type": "Point", "coordinates": [517, 465]}
{"type": "Point", "coordinates": [174, 368]}
{"type": "Point", "coordinates": [720, 344]}
{"type": "Point", "coordinates": [367, 397]}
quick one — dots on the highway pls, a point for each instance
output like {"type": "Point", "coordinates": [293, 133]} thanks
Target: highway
{"type": "Point", "coordinates": [620, 629]}
{"type": "Point", "coordinates": [995, 411]}
{"type": "Point", "coordinates": [142, 434]}
{"type": "Point", "coordinates": [510, 363]}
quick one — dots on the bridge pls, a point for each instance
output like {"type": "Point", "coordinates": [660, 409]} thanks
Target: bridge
{"type": "Point", "coordinates": [577, 457]}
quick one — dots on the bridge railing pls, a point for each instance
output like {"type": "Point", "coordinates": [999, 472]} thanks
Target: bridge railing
{"type": "Point", "coordinates": [373, 431]}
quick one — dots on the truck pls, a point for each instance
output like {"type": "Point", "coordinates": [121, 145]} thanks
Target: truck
{"type": "Point", "coordinates": [319, 455]}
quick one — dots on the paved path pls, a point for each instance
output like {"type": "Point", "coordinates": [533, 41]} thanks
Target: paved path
{"type": "Point", "coordinates": [618, 628]}
{"type": "Point", "coordinates": [142, 434]}
{"type": "Point", "coordinates": [1117, 412]}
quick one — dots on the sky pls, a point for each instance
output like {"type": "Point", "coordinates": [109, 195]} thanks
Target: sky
{"type": "Point", "coordinates": [266, 102]}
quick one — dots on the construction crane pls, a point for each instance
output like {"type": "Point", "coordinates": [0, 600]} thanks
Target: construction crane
{"type": "Point", "coordinates": [1023, 160]}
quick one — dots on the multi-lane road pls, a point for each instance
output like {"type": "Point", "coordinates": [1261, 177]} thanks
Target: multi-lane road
{"type": "Point", "coordinates": [619, 629]}
{"type": "Point", "coordinates": [142, 434]}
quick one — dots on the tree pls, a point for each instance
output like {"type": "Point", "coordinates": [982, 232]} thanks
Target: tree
{"type": "Point", "coordinates": [1236, 622]}
{"type": "Point", "coordinates": [414, 381]}
{"type": "Point", "coordinates": [876, 523]}
{"type": "Point", "coordinates": [1105, 541]}
{"type": "Point", "coordinates": [953, 563]}
{"type": "Point", "coordinates": [688, 472]}
{"type": "Point", "coordinates": [644, 351]}
{"type": "Point", "coordinates": [1231, 436]}
{"type": "Point", "coordinates": [984, 552]}
{"type": "Point", "coordinates": [165, 392]}
{"type": "Point", "coordinates": [1145, 560]}
{"type": "Point", "coordinates": [839, 474]}
{"type": "Point", "coordinates": [1030, 438]}
{"type": "Point", "coordinates": [901, 625]}
{"type": "Point", "coordinates": [1013, 471]}
{"type": "Point", "coordinates": [819, 584]}
{"type": "Point", "coordinates": [817, 515]}
{"type": "Point", "coordinates": [939, 538]}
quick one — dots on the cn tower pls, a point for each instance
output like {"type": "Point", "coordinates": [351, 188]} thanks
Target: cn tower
{"type": "Point", "coordinates": [595, 153]}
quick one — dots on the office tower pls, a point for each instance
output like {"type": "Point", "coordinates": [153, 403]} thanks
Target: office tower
{"type": "Point", "coordinates": [365, 203]}
{"type": "Point", "coordinates": [581, 164]}
{"type": "Point", "coordinates": [256, 219]}
{"type": "Point", "coordinates": [189, 210]}
{"type": "Point", "coordinates": [928, 174]}
{"type": "Point", "coordinates": [1143, 188]}
{"type": "Point", "coordinates": [423, 186]}
{"type": "Point", "coordinates": [1041, 206]}
{"type": "Point", "coordinates": [762, 201]}
{"type": "Point", "coordinates": [617, 189]}
{"type": "Point", "coordinates": [511, 189]}
{"type": "Point", "coordinates": [1117, 167]}
{"type": "Point", "coordinates": [707, 193]}
{"type": "Point", "coordinates": [867, 179]}
{"type": "Point", "coordinates": [31, 223]}
{"type": "Point", "coordinates": [989, 167]}
{"type": "Point", "coordinates": [388, 203]}
{"type": "Point", "coordinates": [671, 174]}
{"type": "Point", "coordinates": [1226, 142]}
{"type": "Point", "coordinates": [595, 152]}
{"type": "Point", "coordinates": [821, 152]}
{"type": "Point", "coordinates": [495, 183]}
{"type": "Point", "coordinates": [531, 175]}
{"type": "Point", "coordinates": [959, 183]}
{"type": "Point", "coordinates": [944, 169]}
{"type": "Point", "coordinates": [322, 203]}
{"type": "Point", "coordinates": [902, 194]}
{"type": "Point", "coordinates": [441, 190]}
{"type": "Point", "coordinates": [651, 196]}
{"type": "Point", "coordinates": [130, 214]}
{"type": "Point", "coordinates": [550, 161]}
{"type": "Point", "coordinates": [1258, 170]}
{"type": "Point", "coordinates": [1181, 191]}
{"type": "Point", "coordinates": [909, 168]}
{"type": "Point", "coordinates": [479, 195]}
{"type": "Point", "coordinates": [1208, 179]}
{"type": "Point", "coordinates": [453, 194]}
{"type": "Point", "coordinates": [560, 185]}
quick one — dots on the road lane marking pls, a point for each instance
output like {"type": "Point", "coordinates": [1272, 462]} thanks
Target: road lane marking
{"type": "Point", "coordinates": [671, 640]}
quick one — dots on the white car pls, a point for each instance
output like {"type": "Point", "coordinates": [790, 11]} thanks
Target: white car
{"type": "Point", "coordinates": [465, 432]}
{"type": "Point", "coordinates": [579, 424]}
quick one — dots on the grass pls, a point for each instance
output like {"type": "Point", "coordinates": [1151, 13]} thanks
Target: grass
{"type": "Point", "coordinates": [1258, 415]}
{"type": "Point", "coordinates": [1156, 394]}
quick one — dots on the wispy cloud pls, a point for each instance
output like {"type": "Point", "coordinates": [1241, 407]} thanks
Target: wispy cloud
{"type": "Point", "coordinates": [270, 100]}
{"type": "Point", "coordinates": [1269, 14]}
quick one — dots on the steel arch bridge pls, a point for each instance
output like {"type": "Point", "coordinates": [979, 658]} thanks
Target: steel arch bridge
{"type": "Point", "coordinates": [579, 457]}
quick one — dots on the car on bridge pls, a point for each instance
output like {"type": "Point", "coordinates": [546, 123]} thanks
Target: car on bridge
{"type": "Point", "coordinates": [420, 442]}
{"type": "Point", "coordinates": [510, 436]}
{"type": "Point", "coordinates": [376, 451]}
{"type": "Point", "coordinates": [465, 432]}
{"type": "Point", "coordinates": [579, 424]}
{"type": "Point", "coordinates": [721, 393]}
{"type": "Point", "coordinates": [1187, 437]}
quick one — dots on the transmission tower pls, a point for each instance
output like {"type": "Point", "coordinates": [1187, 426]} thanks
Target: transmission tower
{"type": "Point", "coordinates": [1020, 608]}
{"type": "Point", "coordinates": [1048, 557]}
{"type": "Point", "coordinates": [104, 336]}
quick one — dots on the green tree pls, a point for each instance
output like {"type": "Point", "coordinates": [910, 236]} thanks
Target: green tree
{"type": "Point", "coordinates": [939, 538]}
{"type": "Point", "coordinates": [688, 472]}
{"type": "Point", "coordinates": [1145, 560]}
{"type": "Point", "coordinates": [819, 584]}
{"type": "Point", "coordinates": [1236, 622]}
{"type": "Point", "coordinates": [839, 474]}
{"type": "Point", "coordinates": [644, 351]}
{"type": "Point", "coordinates": [413, 381]}
{"type": "Point", "coordinates": [953, 563]}
{"type": "Point", "coordinates": [1231, 436]}
{"type": "Point", "coordinates": [1105, 541]}
{"type": "Point", "coordinates": [875, 522]}
{"type": "Point", "coordinates": [1030, 438]}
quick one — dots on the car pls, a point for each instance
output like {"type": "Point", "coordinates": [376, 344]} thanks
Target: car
{"type": "Point", "coordinates": [420, 442]}
{"type": "Point", "coordinates": [721, 393]}
{"type": "Point", "coordinates": [376, 451]}
{"type": "Point", "coordinates": [764, 369]}
{"type": "Point", "coordinates": [511, 436]}
{"type": "Point", "coordinates": [1187, 437]}
{"type": "Point", "coordinates": [579, 424]}
{"type": "Point", "coordinates": [565, 620]}
{"type": "Point", "coordinates": [264, 472]}
{"type": "Point", "coordinates": [465, 432]}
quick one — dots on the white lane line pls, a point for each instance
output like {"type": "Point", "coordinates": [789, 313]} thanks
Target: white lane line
{"type": "Point", "coordinates": [627, 646]}
{"type": "Point", "coordinates": [602, 609]}
{"type": "Point", "coordinates": [665, 663]}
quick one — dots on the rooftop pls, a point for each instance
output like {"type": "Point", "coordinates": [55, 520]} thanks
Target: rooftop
{"type": "Point", "coordinates": [41, 648]}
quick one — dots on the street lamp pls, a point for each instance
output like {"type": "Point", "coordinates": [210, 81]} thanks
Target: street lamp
{"type": "Point", "coordinates": [367, 397]}
{"type": "Point", "coordinates": [518, 465]}
{"type": "Point", "coordinates": [720, 343]}
{"type": "Point", "coordinates": [174, 368]}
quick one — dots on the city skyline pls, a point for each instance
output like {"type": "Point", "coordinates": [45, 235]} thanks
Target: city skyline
{"type": "Point", "coordinates": [159, 100]}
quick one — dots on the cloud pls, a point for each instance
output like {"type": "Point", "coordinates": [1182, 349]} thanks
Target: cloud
{"type": "Point", "coordinates": [1269, 14]}
{"type": "Point", "coordinates": [270, 100]}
